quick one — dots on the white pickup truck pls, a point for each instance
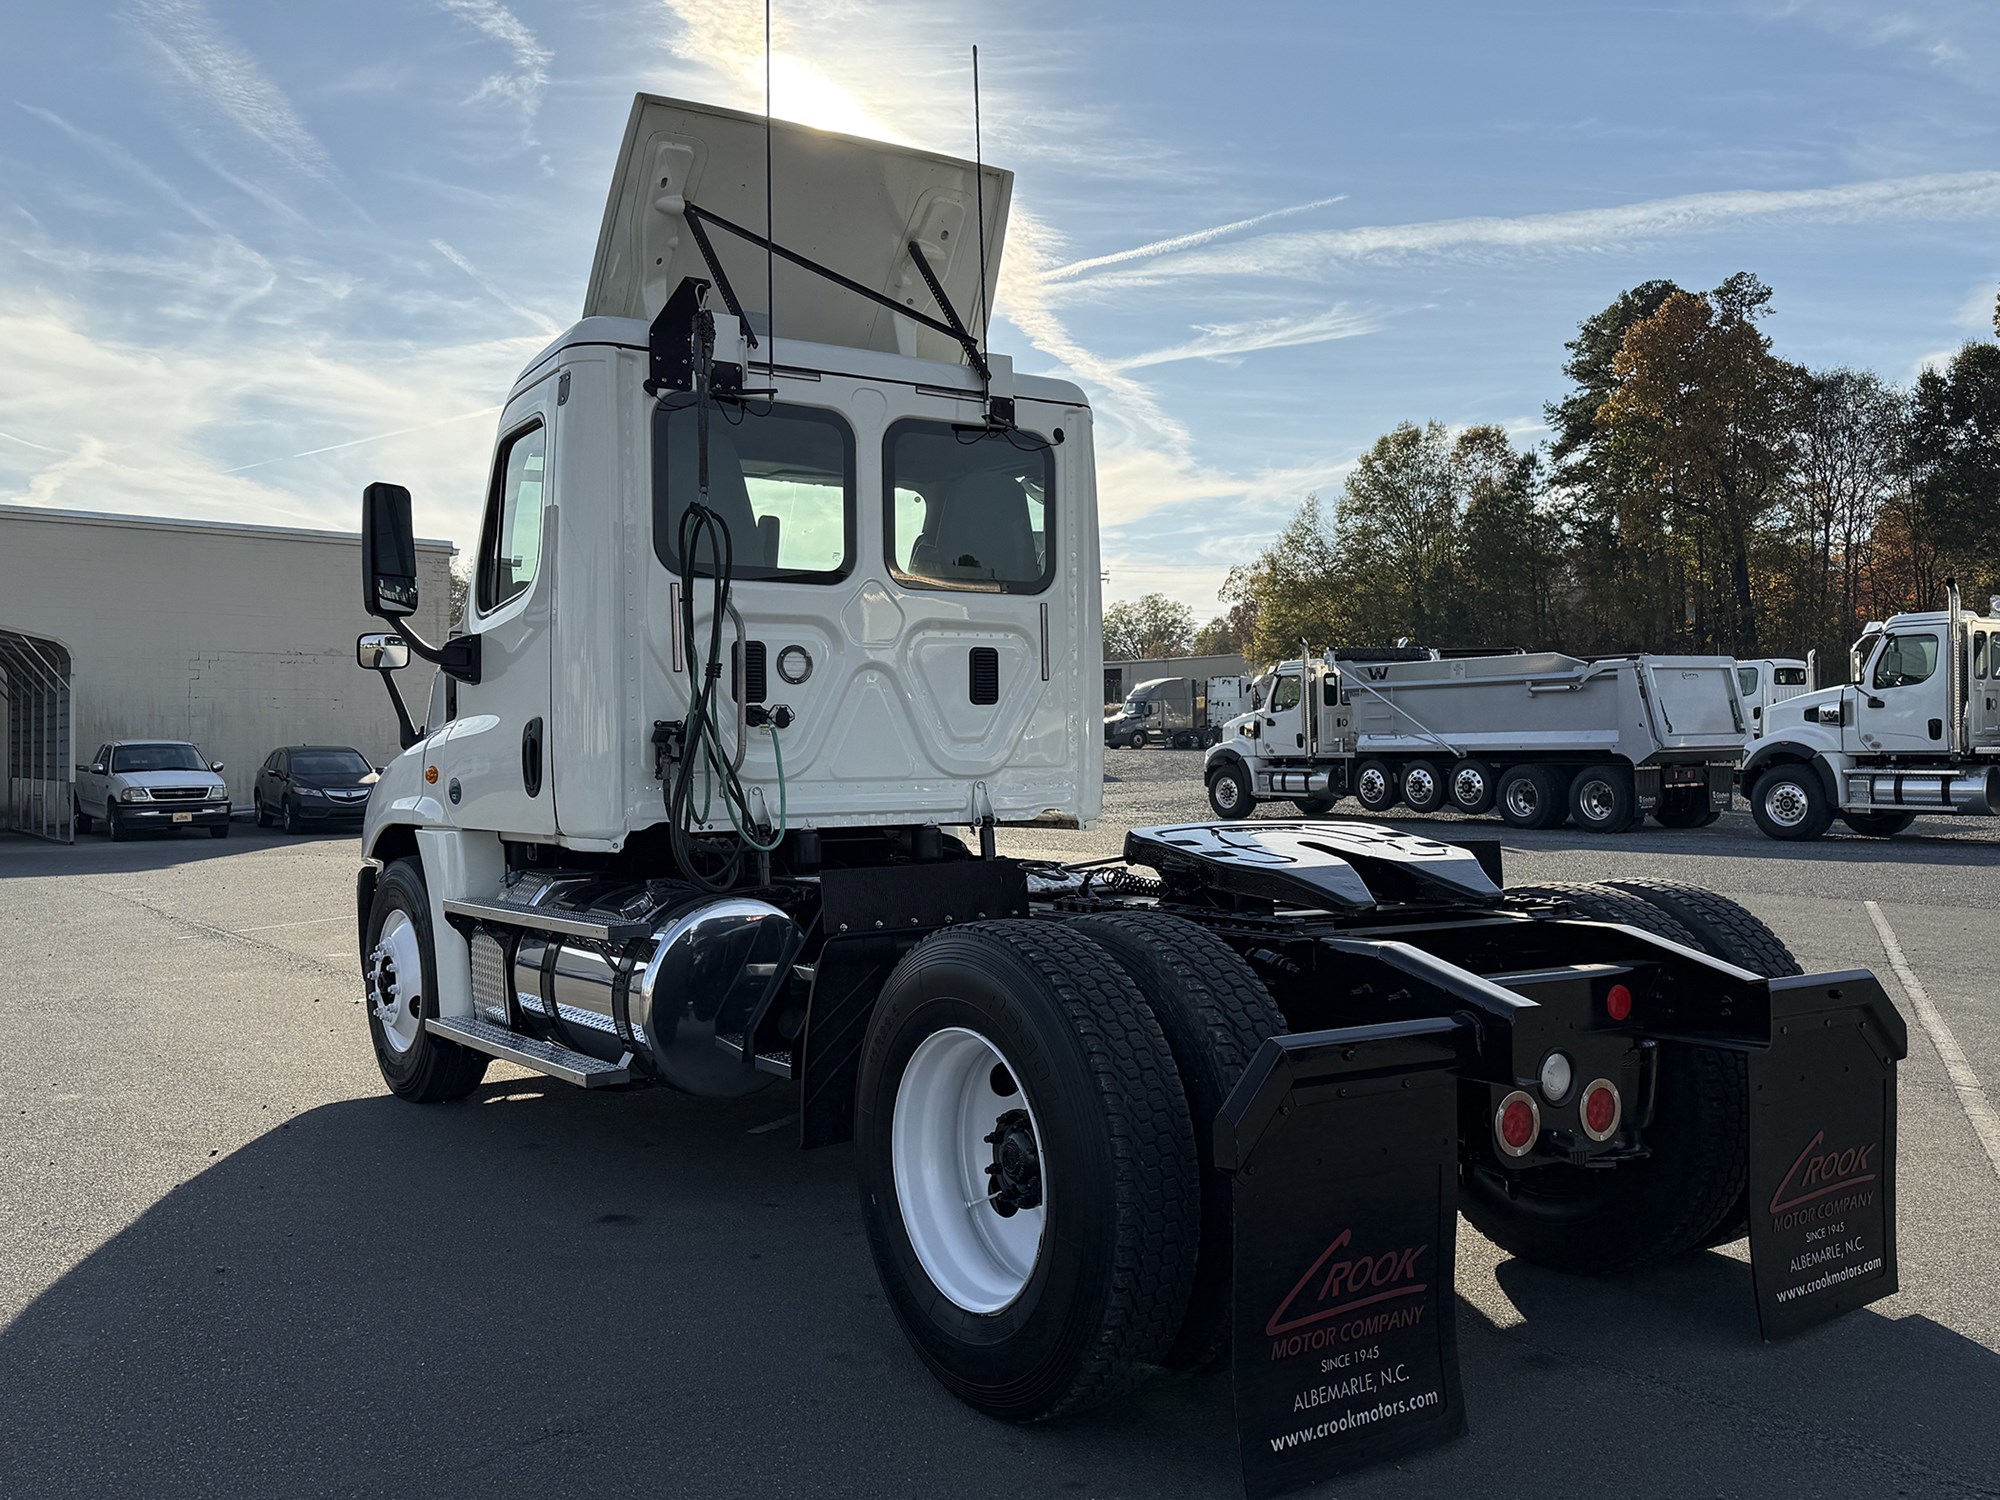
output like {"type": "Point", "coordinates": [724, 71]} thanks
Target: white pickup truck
{"type": "Point", "coordinates": [134, 784]}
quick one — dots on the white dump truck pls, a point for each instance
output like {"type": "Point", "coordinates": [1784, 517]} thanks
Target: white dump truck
{"type": "Point", "coordinates": [1538, 735]}
{"type": "Point", "coordinates": [764, 605]}
{"type": "Point", "coordinates": [1916, 728]}
{"type": "Point", "coordinates": [1182, 713]}
{"type": "Point", "coordinates": [1770, 680]}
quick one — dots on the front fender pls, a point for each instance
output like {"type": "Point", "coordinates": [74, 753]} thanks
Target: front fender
{"type": "Point", "coordinates": [402, 798]}
{"type": "Point", "coordinates": [1223, 754]}
{"type": "Point", "coordinates": [1794, 750]}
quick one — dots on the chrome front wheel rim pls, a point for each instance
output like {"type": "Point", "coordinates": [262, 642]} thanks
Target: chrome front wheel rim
{"type": "Point", "coordinates": [1787, 805]}
{"type": "Point", "coordinates": [395, 982]}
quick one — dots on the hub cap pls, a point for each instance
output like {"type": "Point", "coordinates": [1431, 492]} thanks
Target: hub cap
{"type": "Point", "coordinates": [395, 982]}
{"type": "Point", "coordinates": [1227, 793]}
{"type": "Point", "coordinates": [1373, 786]}
{"type": "Point", "coordinates": [1468, 786]}
{"type": "Point", "coordinates": [1418, 785]}
{"type": "Point", "coordinates": [1596, 799]}
{"type": "Point", "coordinates": [1521, 799]}
{"type": "Point", "coordinates": [1786, 804]}
{"type": "Point", "coordinates": [970, 1176]}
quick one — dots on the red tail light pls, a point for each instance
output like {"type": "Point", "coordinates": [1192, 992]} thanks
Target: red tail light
{"type": "Point", "coordinates": [1601, 1109]}
{"type": "Point", "coordinates": [1517, 1123]}
{"type": "Point", "coordinates": [1618, 1002]}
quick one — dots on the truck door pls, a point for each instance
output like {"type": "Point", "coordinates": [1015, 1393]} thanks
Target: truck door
{"type": "Point", "coordinates": [1284, 723]}
{"type": "Point", "coordinates": [1749, 687]}
{"type": "Point", "coordinates": [1982, 710]}
{"type": "Point", "coordinates": [500, 747]}
{"type": "Point", "coordinates": [1902, 705]}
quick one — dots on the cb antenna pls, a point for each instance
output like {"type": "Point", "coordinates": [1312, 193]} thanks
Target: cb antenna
{"type": "Point", "coordinates": [770, 234]}
{"type": "Point", "coordinates": [979, 192]}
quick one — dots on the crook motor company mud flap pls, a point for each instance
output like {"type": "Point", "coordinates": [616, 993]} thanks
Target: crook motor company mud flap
{"type": "Point", "coordinates": [1345, 1149]}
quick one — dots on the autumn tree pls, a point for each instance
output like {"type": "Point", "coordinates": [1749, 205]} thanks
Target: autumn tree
{"type": "Point", "coordinates": [1954, 456]}
{"type": "Point", "coordinates": [1150, 626]}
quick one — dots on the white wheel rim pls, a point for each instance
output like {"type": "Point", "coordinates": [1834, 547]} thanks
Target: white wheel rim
{"type": "Point", "coordinates": [1786, 804]}
{"type": "Point", "coordinates": [1373, 785]}
{"type": "Point", "coordinates": [1418, 786]}
{"type": "Point", "coordinates": [1226, 792]}
{"type": "Point", "coordinates": [1468, 786]}
{"type": "Point", "coordinates": [396, 980]}
{"type": "Point", "coordinates": [1521, 799]}
{"type": "Point", "coordinates": [946, 1108]}
{"type": "Point", "coordinates": [1596, 801]}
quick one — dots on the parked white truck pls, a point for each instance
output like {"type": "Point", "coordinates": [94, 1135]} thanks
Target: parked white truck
{"type": "Point", "coordinates": [1182, 713]}
{"type": "Point", "coordinates": [755, 618]}
{"type": "Point", "coordinates": [130, 785]}
{"type": "Point", "coordinates": [1770, 680]}
{"type": "Point", "coordinates": [1915, 729]}
{"type": "Point", "coordinates": [1538, 735]}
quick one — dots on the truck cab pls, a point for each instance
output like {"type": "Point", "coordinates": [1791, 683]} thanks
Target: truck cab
{"type": "Point", "coordinates": [1916, 728]}
{"type": "Point", "coordinates": [1767, 681]}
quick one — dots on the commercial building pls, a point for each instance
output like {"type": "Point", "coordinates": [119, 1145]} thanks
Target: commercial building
{"type": "Point", "coordinates": [239, 638]}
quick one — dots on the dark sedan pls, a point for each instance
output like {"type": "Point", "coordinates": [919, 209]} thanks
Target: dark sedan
{"type": "Point", "coordinates": [307, 785]}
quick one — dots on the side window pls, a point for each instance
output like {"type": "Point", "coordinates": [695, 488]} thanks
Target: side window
{"type": "Point", "coordinates": [1906, 660]}
{"type": "Point", "coordinates": [1330, 690]}
{"type": "Point", "coordinates": [968, 509]}
{"type": "Point", "coordinates": [1287, 694]}
{"type": "Point", "coordinates": [510, 547]}
{"type": "Point", "coordinates": [1746, 681]}
{"type": "Point", "coordinates": [1979, 638]}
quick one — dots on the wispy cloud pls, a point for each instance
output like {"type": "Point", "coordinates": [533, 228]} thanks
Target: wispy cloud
{"type": "Point", "coordinates": [478, 278]}
{"type": "Point", "coordinates": [1188, 241]}
{"type": "Point", "coordinates": [523, 86]}
{"type": "Point", "coordinates": [226, 81]}
{"type": "Point", "coordinates": [1226, 340]}
{"type": "Point", "coordinates": [1933, 198]}
{"type": "Point", "coordinates": [127, 163]}
{"type": "Point", "coordinates": [1960, 37]}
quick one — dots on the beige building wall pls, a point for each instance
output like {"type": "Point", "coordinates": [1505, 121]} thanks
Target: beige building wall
{"type": "Point", "coordinates": [239, 638]}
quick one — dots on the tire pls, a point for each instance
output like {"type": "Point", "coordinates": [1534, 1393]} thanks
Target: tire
{"type": "Point", "coordinates": [1645, 1211]}
{"type": "Point", "coordinates": [1531, 797]}
{"type": "Point", "coordinates": [1424, 786]}
{"type": "Point", "coordinates": [1474, 787]}
{"type": "Point", "coordinates": [1683, 810]}
{"type": "Point", "coordinates": [115, 825]}
{"type": "Point", "coordinates": [1215, 1014]}
{"type": "Point", "coordinates": [1726, 930]}
{"type": "Point", "coordinates": [1878, 825]}
{"type": "Point", "coordinates": [1105, 1284]}
{"type": "Point", "coordinates": [294, 824]}
{"type": "Point", "coordinates": [1314, 807]}
{"type": "Point", "coordinates": [80, 818]}
{"type": "Point", "coordinates": [1601, 800]}
{"type": "Point", "coordinates": [1790, 803]}
{"type": "Point", "coordinates": [218, 831]}
{"type": "Point", "coordinates": [1230, 792]}
{"type": "Point", "coordinates": [1376, 786]}
{"type": "Point", "coordinates": [263, 818]}
{"type": "Point", "coordinates": [1140, 740]}
{"type": "Point", "coordinates": [416, 1065]}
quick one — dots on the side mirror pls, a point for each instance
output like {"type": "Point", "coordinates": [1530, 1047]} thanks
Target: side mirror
{"type": "Point", "coordinates": [97, 768]}
{"type": "Point", "coordinates": [215, 766]}
{"type": "Point", "coordinates": [388, 552]}
{"type": "Point", "coordinates": [382, 653]}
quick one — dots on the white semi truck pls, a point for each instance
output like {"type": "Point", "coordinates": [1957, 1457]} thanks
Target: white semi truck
{"type": "Point", "coordinates": [1540, 736]}
{"type": "Point", "coordinates": [765, 603]}
{"type": "Point", "coordinates": [1766, 681]}
{"type": "Point", "coordinates": [1916, 729]}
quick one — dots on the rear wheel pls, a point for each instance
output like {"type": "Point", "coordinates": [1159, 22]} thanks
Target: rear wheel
{"type": "Point", "coordinates": [1027, 1168]}
{"type": "Point", "coordinates": [1375, 786]}
{"type": "Point", "coordinates": [1229, 790]}
{"type": "Point", "coordinates": [263, 818]}
{"type": "Point", "coordinates": [1790, 803]}
{"type": "Point", "coordinates": [1601, 799]}
{"type": "Point", "coordinates": [1314, 807]}
{"type": "Point", "coordinates": [1473, 787]}
{"type": "Point", "coordinates": [1215, 1014]}
{"type": "Point", "coordinates": [1531, 797]}
{"type": "Point", "coordinates": [1878, 825]}
{"type": "Point", "coordinates": [1644, 1210]}
{"type": "Point", "coordinates": [1424, 787]}
{"type": "Point", "coordinates": [400, 969]}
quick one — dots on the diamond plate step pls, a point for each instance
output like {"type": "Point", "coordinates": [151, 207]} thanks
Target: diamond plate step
{"type": "Point", "coordinates": [544, 1057]}
{"type": "Point", "coordinates": [535, 919]}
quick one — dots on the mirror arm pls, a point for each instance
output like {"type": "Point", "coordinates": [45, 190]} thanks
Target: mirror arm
{"type": "Point", "coordinates": [459, 655]}
{"type": "Point", "coordinates": [406, 728]}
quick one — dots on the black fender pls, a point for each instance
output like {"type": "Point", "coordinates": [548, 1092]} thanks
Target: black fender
{"type": "Point", "coordinates": [1766, 756]}
{"type": "Point", "coordinates": [1224, 754]}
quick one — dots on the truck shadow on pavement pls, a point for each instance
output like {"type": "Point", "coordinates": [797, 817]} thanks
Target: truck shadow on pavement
{"type": "Point", "coordinates": [23, 858]}
{"type": "Point", "coordinates": [541, 1291]}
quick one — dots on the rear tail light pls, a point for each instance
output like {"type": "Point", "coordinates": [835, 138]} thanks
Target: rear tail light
{"type": "Point", "coordinates": [1618, 1002]}
{"type": "Point", "coordinates": [1517, 1124]}
{"type": "Point", "coordinates": [1601, 1109]}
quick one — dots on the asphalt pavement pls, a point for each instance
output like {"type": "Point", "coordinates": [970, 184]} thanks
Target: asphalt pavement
{"type": "Point", "coordinates": [231, 1264]}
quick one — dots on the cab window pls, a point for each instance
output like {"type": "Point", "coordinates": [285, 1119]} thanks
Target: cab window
{"type": "Point", "coordinates": [1746, 680]}
{"type": "Point", "coordinates": [1286, 695]}
{"type": "Point", "coordinates": [510, 547]}
{"type": "Point", "coordinates": [781, 478]}
{"type": "Point", "coordinates": [969, 509]}
{"type": "Point", "coordinates": [1905, 660]}
{"type": "Point", "coordinates": [1979, 638]}
{"type": "Point", "coordinates": [1788, 676]}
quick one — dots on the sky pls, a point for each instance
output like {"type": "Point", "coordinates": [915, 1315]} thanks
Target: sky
{"type": "Point", "coordinates": [254, 256]}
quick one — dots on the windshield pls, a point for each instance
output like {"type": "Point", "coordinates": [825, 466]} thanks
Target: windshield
{"type": "Point", "coordinates": [330, 765]}
{"type": "Point", "coordinates": [1746, 680]}
{"type": "Point", "coordinates": [157, 758]}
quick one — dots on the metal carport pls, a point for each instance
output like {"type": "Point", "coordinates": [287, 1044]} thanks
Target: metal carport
{"type": "Point", "coordinates": [37, 760]}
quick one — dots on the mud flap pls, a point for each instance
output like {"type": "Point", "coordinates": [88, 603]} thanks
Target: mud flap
{"type": "Point", "coordinates": [1343, 1149]}
{"type": "Point", "coordinates": [1822, 1170]}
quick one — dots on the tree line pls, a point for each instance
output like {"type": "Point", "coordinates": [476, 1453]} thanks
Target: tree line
{"type": "Point", "coordinates": [1697, 493]}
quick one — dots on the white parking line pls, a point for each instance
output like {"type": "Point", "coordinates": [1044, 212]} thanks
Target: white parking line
{"type": "Point", "coordinates": [1971, 1097]}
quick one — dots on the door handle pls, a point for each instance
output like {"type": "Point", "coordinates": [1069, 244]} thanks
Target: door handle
{"type": "Point", "coordinates": [531, 758]}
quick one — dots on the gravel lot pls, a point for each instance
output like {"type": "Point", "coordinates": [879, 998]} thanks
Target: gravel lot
{"type": "Point", "coordinates": [230, 1264]}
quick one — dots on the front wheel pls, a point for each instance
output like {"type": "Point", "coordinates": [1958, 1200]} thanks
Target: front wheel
{"type": "Point", "coordinates": [1789, 802]}
{"type": "Point", "coordinates": [400, 971]}
{"type": "Point", "coordinates": [1229, 791]}
{"type": "Point", "coordinates": [218, 831]}
{"type": "Point", "coordinates": [293, 822]}
{"type": "Point", "coordinates": [1878, 825]}
{"type": "Point", "coordinates": [82, 818]}
{"type": "Point", "coordinates": [115, 825]}
{"type": "Point", "coordinates": [1027, 1168]}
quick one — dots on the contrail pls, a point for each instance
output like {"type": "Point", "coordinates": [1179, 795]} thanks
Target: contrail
{"type": "Point", "coordinates": [1183, 241]}
{"type": "Point", "coordinates": [464, 416]}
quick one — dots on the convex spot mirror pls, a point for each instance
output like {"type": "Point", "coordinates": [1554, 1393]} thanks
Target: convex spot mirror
{"type": "Point", "coordinates": [216, 766]}
{"type": "Point", "coordinates": [382, 653]}
{"type": "Point", "coordinates": [388, 552]}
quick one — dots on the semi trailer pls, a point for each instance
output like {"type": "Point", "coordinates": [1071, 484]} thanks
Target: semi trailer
{"type": "Point", "coordinates": [777, 618]}
{"type": "Point", "coordinates": [1182, 713]}
{"type": "Point", "coordinates": [1539, 736]}
{"type": "Point", "coordinates": [1915, 729]}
